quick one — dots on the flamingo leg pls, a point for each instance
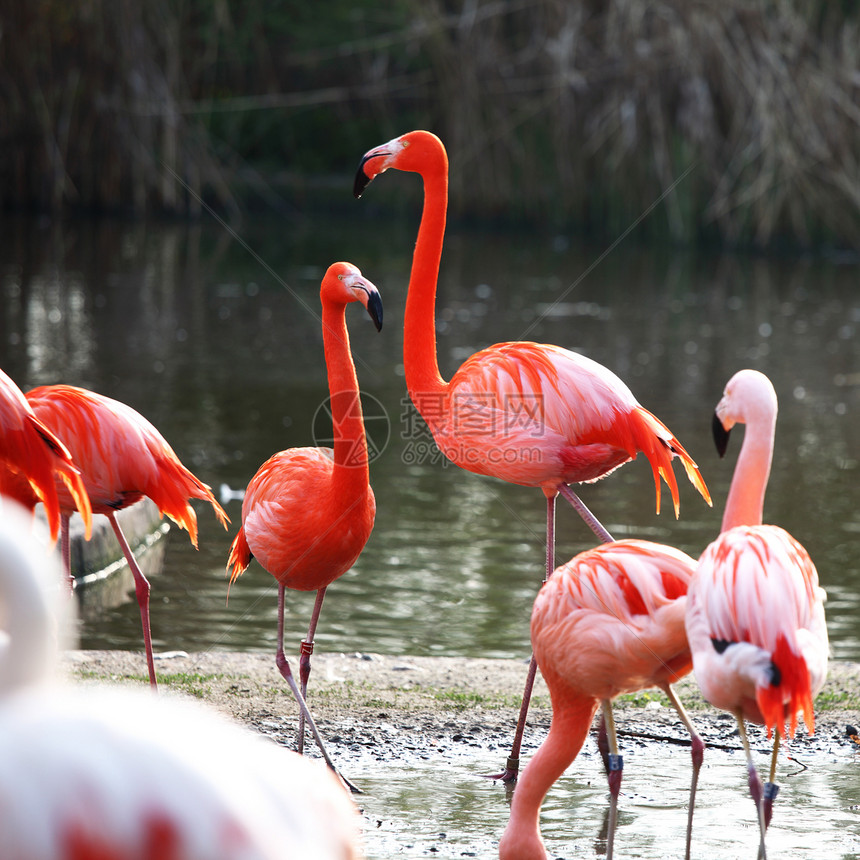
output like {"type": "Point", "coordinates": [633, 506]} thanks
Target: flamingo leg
{"type": "Point", "coordinates": [590, 520]}
{"type": "Point", "coordinates": [287, 673]}
{"type": "Point", "coordinates": [616, 765]}
{"type": "Point", "coordinates": [307, 648]}
{"type": "Point", "coordinates": [141, 590]}
{"type": "Point", "coordinates": [697, 748]}
{"type": "Point", "coordinates": [512, 765]}
{"type": "Point", "coordinates": [603, 743]}
{"type": "Point", "coordinates": [754, 784]}
{"type": "Point", "coordinates": [66, 551]}
{"type": "Point", "coordinates": [771, 789]}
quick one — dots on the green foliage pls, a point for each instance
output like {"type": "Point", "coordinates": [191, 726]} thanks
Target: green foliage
{"type": "Point", "coordinates": [735, 121]}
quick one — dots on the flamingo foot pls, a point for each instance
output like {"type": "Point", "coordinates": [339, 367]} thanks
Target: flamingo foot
{"type": "Point", "coordinates": [509, 775]}
{"type": "Point", "coordinates": [284, 668]}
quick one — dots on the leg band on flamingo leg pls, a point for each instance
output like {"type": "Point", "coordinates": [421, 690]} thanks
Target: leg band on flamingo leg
{"type": "Point", "coordinates": [305, 651]}
{"type": "Point", "coordinates": [616, 769]}
{"type": "Point", "coordinates": [771, 790]}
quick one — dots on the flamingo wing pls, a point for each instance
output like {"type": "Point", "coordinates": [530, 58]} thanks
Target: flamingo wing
{"type": "Point", "coordinates": [121, 454]}
{"type": "Point", "coordinates": [756, 626]}
{"type": "Point", "coordinates": [623, 603]}
{"type": "Point", "coordinates": [537, 414]}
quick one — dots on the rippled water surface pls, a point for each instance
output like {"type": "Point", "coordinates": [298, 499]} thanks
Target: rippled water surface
{"type": "Point", "coordinates": [224, 355]}
{"type": "Point", "coordinates": [454, 813]}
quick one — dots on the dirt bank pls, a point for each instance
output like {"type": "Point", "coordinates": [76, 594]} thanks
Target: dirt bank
{"type": "Point", "coordinates": [397, 704]}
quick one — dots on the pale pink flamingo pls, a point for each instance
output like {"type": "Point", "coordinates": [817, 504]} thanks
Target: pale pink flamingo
{"type": "Point", "coordinates": [122, 458]}
{"type": "Point", "coordinates": [528, 413]}
{"type": "Point", "coordinates": [32, 458]}
{"type": "Point", "coordinates": [308, 512]}
{"type": "Point", "coordinates": [755, 611]}
{"type": "Point", "coordinates": [91, 772]}
{"type": "Point", "coordinates": [608, 622]}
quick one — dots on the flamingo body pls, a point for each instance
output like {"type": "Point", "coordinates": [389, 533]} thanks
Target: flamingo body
{"type": "Point", "coordinates": [756, 627]}
{"type": "Point", "coordinates": [623, 604]}
{"type": "Point", "coordinates": [608, 622]}
{"type": "Point", "coordinates": [34, 464]}
{"type": "Point", "coordinates": [539, 415]}
{"type": "Point", "coordinates": [295, 487]}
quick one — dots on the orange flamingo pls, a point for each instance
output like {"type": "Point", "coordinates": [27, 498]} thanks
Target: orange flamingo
{"type": "Point", "coordinates": [755, 611]}
{"type": "Point", "coordinates": [101, 772]}
{"type": "Point", "coordinates": [31, 457]}
{"type": "Point", "coordinates": [608, 622]}
{"type": "Point", "coordinates": [308, 512]}
{"type": "Point", "coordinates": [528, 413]}
{"type": "Point", "coordinates": [122, 458]}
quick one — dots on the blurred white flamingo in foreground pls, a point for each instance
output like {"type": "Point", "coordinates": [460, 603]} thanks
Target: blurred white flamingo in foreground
{"type": "Point", "coordinates": [93, 771]}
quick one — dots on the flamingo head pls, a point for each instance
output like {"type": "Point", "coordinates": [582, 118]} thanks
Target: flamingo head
{"type": "Point", "coordinates": [344, 283]}
{"type": "Point", "coordinates": [415, 151]}
{"type": "Point", "coordinates": [749, 397]}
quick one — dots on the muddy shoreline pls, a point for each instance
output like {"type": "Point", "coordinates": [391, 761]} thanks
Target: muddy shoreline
{"type": "Point", "coordinates": [397, 705]}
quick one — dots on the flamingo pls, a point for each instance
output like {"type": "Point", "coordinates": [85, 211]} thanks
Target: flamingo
{"type": "Point", "coordinates": [755, 611]}
{"type": "Point", "coordinates": [31, 457]}
{"type": "Point", "coordinates": [122, 458]}
{"type": "Point", "coordinates": [608, 622]}
{"type": "Point", "coordinates": [532, 414]}
{"type": "Point", "coordinates": [94, 771]}
{"type": "Point", "coordinates": [308, 512]}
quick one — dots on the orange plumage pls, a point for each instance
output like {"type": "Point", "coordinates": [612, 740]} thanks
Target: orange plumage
{"type": "Point", "coordinates": [32, 457]}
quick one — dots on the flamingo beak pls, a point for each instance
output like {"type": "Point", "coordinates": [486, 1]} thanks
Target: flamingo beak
{"type": "Point", "coordinates": [362, 178]}
{"type": "Point", "coordinates": [721, 435]}
{"type": "Point", "coordinates": [374, 308]}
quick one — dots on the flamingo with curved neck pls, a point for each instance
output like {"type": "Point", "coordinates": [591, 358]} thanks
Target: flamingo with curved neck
{"type": "Point", "coordinates": [308, 512]}
{"type": "Point", "coordinates": [531, 414]}
{"type": "Point", "coordinates": [755, 612]}
{"type": "Point", "coordinates": [608, 622]}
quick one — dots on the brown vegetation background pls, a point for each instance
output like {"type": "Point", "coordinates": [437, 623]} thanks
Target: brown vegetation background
{"type": "Point", "coordinates": [732, 122]}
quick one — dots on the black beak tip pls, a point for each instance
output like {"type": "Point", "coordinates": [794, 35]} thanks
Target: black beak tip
{"type": "Point", "coordinates": [374, 308]}
{"type": "Point", "coordinates": [362, 180]}
{"type": "Point", "coordinates": [721, 435]}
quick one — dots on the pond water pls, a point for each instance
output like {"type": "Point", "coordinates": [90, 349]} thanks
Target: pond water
{"type": "Point", "coordinates": [216, 339]}
{"type": "Point", "coordinates": [815, 815]}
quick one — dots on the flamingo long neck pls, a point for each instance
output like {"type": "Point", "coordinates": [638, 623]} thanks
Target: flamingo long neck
{"type": "Point", "coordinates": [568, 730]}
{"type": "Point", "coordinates": [350, 444]}
{"type": "Point", "coordinates": [421, 365]}
{"type": "Point", "coordinates": [745, 504]}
